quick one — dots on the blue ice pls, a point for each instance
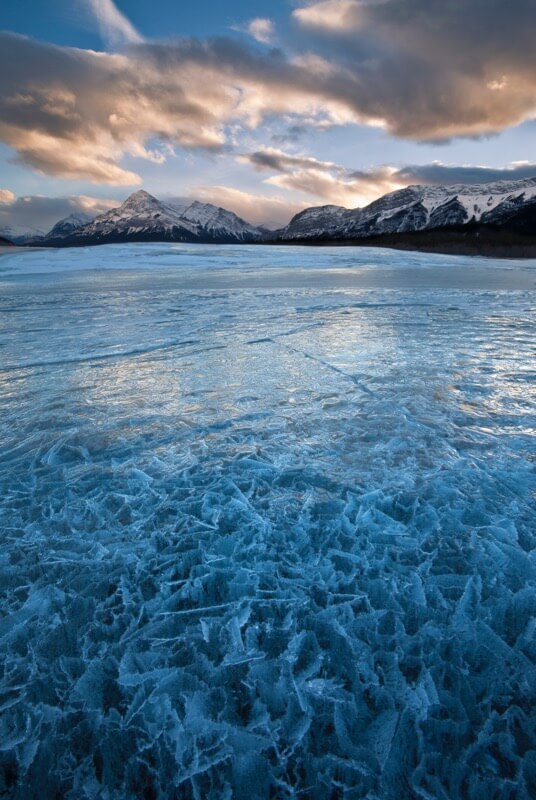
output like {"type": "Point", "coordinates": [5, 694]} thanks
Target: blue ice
{"type": "Point", "coordinates": [268, 525]}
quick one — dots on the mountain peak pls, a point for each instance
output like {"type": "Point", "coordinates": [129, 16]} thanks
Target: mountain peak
{"type": "Point", "coordinates": [200, 204]}
{"type": "Point", "coordinates": [142, 217]}
{"type": "Point", "coordinates": [415, 208]}
{"type": "Point", "coordinates": [141, 197]}
{"type": "Point", "coordinates": [219, 222]}
{"type": "Point", "coordinates": [69, 224]}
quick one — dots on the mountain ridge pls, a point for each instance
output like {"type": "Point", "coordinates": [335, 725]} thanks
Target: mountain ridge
{"type": "Point", "coordinates": [414, 208]}
{"type": "Point", "coordinates": [142, 217]}
{"type": "Point", "coordinates": [482, 218]}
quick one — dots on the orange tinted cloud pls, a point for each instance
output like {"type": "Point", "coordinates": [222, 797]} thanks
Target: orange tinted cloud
{"type": "Point", "coordinates": [422, 69]}
{"type": "Point", "coordinates": [333, 183]}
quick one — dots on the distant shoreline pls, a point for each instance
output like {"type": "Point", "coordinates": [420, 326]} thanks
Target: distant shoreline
{"type": "Point", "coordinates": [517, 253]}
{"type": "Point", "coordinates": [6, 249]}
{"type": "Point", "coordinates": [11, 249]}
{"type": "Point", "coordinates": [461, 240]}
{"type": "Point", "coordinates": [415, 242]}
{"type": "Point", "coordinates": [499, 222]}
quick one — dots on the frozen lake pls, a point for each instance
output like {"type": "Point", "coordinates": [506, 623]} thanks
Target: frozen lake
{"type": "Point", "coordinates": [268, 521]}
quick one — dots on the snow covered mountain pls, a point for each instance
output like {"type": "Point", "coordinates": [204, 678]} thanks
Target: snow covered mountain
{"type": "Point", "coordinates": [143, 218]}
{"type": "Point", "coordinates": [21, 234]}
{"type": "Point", "coordinates": [416, 208]}
{"type": "Point", "coordinates": [65, 227]}
{"type": "Point", "coordinates": [503, 210]}
{"type": "Point", "coordinates": [62, 229]}
{"type": "Point", "coordinates": [220, 223]}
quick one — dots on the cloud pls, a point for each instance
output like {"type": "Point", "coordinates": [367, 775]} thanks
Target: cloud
{"type": "Point", "coordinates": [292, 135]}
{"type": "Point", "coordinates": [6, 197]}
{"type": "Point", "coordinates": [332, 183]}
{"type": "Point", "coordinates": [423, 69]}
{"type": "Point", "coordinates": [324, 180]}
{"type": "Point", "coordinates": [260, 28]}
{"type": "Point", "coordinates": [430, 69]}
{"type": "Point", "coordinates": [328, 187]}
{"type": "Point", "coordinates": [328, 15]}
{"type": "Point", "coordinates": [75, 113]}
{"type": "Point", "coordinates": [272, 159]}
{"type": "Point", "coordinates": [272, 211]}
{"type": "Point", "coordinates": [115, 29]}
{"type": "Point", "coordinates": [34, 214]}
{"type": "Point", "coordinates": [442, 174]}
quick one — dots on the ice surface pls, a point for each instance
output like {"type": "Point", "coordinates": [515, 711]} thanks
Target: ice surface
{"type": "Point", "coordinates": [268, 525]}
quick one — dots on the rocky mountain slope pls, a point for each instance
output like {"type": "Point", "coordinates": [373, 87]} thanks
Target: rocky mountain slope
{"type": "Point", "coordinates": [143, 218]}
{"type": "Point", "coordinates": [66, 227]}
{"type": "Point", "coordinates": [421, 208]}
{"type": "Point", "coordinates": [492, 218]}
{"type": "Point", "coordinates": [21, 234]}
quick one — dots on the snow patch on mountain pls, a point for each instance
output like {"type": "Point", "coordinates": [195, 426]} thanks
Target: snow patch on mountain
{"type": "Point", "coordinates": [219, 221]}
{"type": "Point", "coordinates": [478, 199]}
{"type": "Point", "coordinates": [140, 212]}
{"type": "Point", "coordinates": [66, 226]}
{"type": "Point", "coordinates": [142, 217]}
{"type": "Point", "coordinates": [20, 234]}
{"type": "Point", "coordinates": [414, 208]}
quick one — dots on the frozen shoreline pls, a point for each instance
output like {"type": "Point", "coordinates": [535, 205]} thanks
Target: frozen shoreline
{"type": "Point", "coordinates": [194, 267]}
{"type": "Point", "coordinates": [11, 250]}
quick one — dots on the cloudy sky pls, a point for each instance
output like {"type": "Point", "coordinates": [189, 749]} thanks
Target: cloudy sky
{"type": "Point", "coordinates": [263, 106]}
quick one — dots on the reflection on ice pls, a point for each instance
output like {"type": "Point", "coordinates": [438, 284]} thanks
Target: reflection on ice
{"type": "Point", "coordinates": [266, 540]}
